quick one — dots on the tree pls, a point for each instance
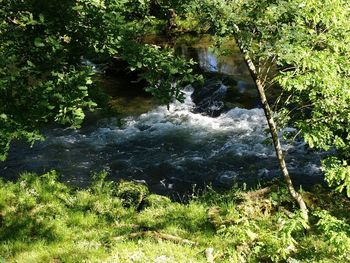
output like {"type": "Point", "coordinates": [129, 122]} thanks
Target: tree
{"type": "Point", "coordinates": [232, 26]}
{"type": "Point", "coordinates": [313, 54]}
{"type": "Point", "coordinates": [258, 78]}
{"type": "Point", "coordinates": [307, 47]}
{"type": "Point", "coordinates": [310, 46]}
{"type": "Point", "coordinates": [42, 78]}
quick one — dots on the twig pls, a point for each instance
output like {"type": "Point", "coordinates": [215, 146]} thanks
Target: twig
{"type": "Point", "coordinates": [258, 193]}
{"type": "Point", "coordinates": [157, 235]}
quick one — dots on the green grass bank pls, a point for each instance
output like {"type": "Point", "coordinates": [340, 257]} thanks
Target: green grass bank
{"type": "Point", "coordinates": [44, 220]}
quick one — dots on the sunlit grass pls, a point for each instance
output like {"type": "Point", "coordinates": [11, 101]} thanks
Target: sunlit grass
{"type": "Point", "coordinates": [42, 220]}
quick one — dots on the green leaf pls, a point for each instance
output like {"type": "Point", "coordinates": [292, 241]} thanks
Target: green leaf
{"type": "Point", "coordinates": [30, 63]}
{"type": "Point", "coordinates": [38, 42]}
{"type": "Point", "coordinates": [41, 18]}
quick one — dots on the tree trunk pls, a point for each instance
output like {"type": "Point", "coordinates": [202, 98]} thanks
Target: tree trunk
{"type": "Point", "coordinates": [272, 127]}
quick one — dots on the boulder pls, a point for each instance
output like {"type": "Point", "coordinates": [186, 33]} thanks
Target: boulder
{"type": "Point", "coordinates": [209, 99]}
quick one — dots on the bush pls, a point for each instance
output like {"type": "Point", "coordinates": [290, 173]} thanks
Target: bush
{"type": "Point", "coordinates": [131, 194]}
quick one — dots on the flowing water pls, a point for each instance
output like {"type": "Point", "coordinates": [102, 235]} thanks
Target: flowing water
{"type": "Point", "coordinates": [169, 150]}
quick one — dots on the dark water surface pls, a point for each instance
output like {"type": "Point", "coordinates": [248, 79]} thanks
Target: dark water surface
{"type": "Point", "coordinates": [170, 150]}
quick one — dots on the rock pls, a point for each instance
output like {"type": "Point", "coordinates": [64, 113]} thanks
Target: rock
{"type": "Point", "coordinates": [209, 99]}
{"type": "Point", "coordinates": [117, 66]}
{"type": "Point", "coordinates": [131, 193]}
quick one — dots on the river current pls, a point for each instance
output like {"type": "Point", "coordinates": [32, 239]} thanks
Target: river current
{"type": "Point", "coordinates": [171, 151]}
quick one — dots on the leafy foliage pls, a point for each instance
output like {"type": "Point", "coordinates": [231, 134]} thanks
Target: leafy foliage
{"type": "Point", "coordinates": [336, 232]}
{"type": "Point", "coordinates": [165, 73]}
{"type": "Point", "coordinates": [301, 49]}
{"type": "Point", "coordinates": [42, 77]}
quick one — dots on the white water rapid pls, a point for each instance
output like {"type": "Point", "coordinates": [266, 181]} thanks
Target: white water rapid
{"type": "Point", "coordinates": [170, 150]}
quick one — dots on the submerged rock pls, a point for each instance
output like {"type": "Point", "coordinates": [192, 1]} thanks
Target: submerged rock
{"type": "Point", "coordinates": [209, 99]}
{"type": "Point", "coordinates": [219, 94]}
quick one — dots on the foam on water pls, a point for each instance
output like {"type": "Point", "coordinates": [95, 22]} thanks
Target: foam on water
{"type": "Point", "coordinates": [168, 149]}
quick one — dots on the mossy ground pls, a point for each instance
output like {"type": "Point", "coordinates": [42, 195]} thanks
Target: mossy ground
{"type": "Point", "coordinates": [43, 220]}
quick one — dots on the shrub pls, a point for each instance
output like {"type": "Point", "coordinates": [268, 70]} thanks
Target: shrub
{"type": "Point", "coordinates": [131, 194]}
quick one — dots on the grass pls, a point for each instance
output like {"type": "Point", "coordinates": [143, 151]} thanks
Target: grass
{"type": "Point", "coordinates": [43, 220]}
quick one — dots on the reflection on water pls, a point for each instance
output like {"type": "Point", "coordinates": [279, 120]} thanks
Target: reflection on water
{"type": "Point", "coordinates": [126, 98]}
{"type": "Point", "coordinates": [224, 60]}
{"type": "Point", "coordinates": [231, 65]}
{"type": "Point", "coordinates": [225, 64]}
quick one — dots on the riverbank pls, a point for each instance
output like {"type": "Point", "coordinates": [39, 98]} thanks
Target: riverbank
{"type": "Point", "coordinates": [43, 220]}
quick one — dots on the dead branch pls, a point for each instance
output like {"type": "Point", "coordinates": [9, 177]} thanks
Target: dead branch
{"type": "Point", "coordinates": [158, 236]}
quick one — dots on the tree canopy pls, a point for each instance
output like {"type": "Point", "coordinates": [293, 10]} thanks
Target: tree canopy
{"type": "Point", "coordinates": [301, 48]}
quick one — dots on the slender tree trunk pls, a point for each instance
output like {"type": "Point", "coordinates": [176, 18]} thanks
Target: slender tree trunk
{"type": "Point", "coordinates": [273, 128]}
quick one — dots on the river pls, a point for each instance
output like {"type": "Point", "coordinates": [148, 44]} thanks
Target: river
{"type": "Point", "coordinates": [175, 150]}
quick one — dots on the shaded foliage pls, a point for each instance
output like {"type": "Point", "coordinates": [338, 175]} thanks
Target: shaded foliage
{"type": "Point", "coordinates": [42, 77]}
